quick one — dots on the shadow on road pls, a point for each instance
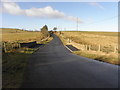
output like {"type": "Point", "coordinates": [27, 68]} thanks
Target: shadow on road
{"type": "Point", "coordinates": [72, 48]}
{"type": "Point", "coordinates": [31, 45]}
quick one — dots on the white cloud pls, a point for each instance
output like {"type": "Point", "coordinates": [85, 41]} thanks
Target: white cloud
{"type": "Point", "coordinates": [46, 12]}
{"type": "Point", "coordinates": [96, 5]}
{"type": "Point", "coordinates": [12, 8]}
{"type": "Point", "coordinates": [6, 0]}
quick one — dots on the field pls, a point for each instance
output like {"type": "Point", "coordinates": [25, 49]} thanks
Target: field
{"type": "Point", "coordinates": [107, 42]}
{"type": "Point", "coordinates": [15, 61]}
{"type": "Point", "coordinates": [93, 38]}
{"type": "Point", "coordinates": [10, 35]}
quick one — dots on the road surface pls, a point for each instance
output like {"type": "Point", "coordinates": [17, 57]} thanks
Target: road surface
{"type": "Point", "coordinates": [54, 66]}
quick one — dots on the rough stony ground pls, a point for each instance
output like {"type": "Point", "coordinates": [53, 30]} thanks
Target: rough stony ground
{"type": "Point", "coordinates": [53, 66]}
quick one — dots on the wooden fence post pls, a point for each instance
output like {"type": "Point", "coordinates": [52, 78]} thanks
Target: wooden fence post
{"type": "Point", "coordinates": [19, 45]}
{"type": "Point", "coordinates": [99, 47]}
{"type": "Point", "coordinates": [68, 40]}
{"type": "Point", "coordinates": [89, 47]}
{"type": "Point", "coordinates": [4, 47]}
{"type": "Point", "coordinates": [12, 45]}
{"type": "Point", "coordinates": [86, 47]}
{"type": "Point", "coordinates": [115, 49]}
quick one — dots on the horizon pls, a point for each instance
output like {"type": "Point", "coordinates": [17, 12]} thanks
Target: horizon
{"type": "Point", "coordinates": [59, 30]}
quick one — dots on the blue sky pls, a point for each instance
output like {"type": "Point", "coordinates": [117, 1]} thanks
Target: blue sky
{"type": "Point", "coordinates": [97, 16]}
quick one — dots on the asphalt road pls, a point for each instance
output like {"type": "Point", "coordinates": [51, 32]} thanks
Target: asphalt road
{"type": "Point", "coordinates": [54, 66]}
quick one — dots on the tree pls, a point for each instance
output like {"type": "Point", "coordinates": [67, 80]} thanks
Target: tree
{"type": "Point", "coordinates": [55, 28]}
{"type": "Point", "coordinates": [44, 31]}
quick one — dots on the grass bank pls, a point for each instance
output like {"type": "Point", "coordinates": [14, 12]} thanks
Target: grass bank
{"type": "Point", "coordinates": [111, 58]}
{"type": "Point", "coordinates": [13, 67]}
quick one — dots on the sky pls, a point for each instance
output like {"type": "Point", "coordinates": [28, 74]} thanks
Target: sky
{"type": "Point", "coordinates": [88, 16]}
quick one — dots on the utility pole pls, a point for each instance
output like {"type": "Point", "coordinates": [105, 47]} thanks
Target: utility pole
{"type": "Point", "coordinates": [77, 23]}
{"type": "Point", "coordinates": [64, 29]}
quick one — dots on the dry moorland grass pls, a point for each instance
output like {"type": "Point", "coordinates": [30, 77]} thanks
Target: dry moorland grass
{"type": "Point", "coordinates": [100, 56]}
{"type": "Point", "coordinates": [10, 35]}
{"type": "Point", "coordinates": [93, 38]}
{"type": "Point", "coordinates": [107, 40]}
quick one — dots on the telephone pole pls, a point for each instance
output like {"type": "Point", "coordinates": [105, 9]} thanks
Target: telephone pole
{"type": "Point", "coordinates": [77, 23]}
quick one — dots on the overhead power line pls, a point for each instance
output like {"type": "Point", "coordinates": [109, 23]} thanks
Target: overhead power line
{"type": "Point", "coordinates": [103, 20]}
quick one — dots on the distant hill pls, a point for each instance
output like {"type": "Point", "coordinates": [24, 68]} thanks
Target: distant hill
{"type": "Point", "coordinates": [9, 34]}
{"type": "Point", "coordinates": [11, 30]}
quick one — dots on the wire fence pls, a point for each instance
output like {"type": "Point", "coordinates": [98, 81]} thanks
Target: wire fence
{"type": "Point", "coordinates": [10, 46]}
{"type": "Point", "coordinates": [90, 47]}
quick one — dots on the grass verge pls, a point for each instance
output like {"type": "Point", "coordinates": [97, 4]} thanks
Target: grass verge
{"type": "Point", "coordinates": [111, 58]}
{"type": "Point", "coordinates": [14, 64]}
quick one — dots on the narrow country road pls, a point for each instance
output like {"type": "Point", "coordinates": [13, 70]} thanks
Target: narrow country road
{"type": "Point", "coordinates": [54, 66]}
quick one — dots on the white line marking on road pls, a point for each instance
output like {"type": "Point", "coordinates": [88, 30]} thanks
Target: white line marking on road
{"type": "Point", "coordinates": [68, 49]}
